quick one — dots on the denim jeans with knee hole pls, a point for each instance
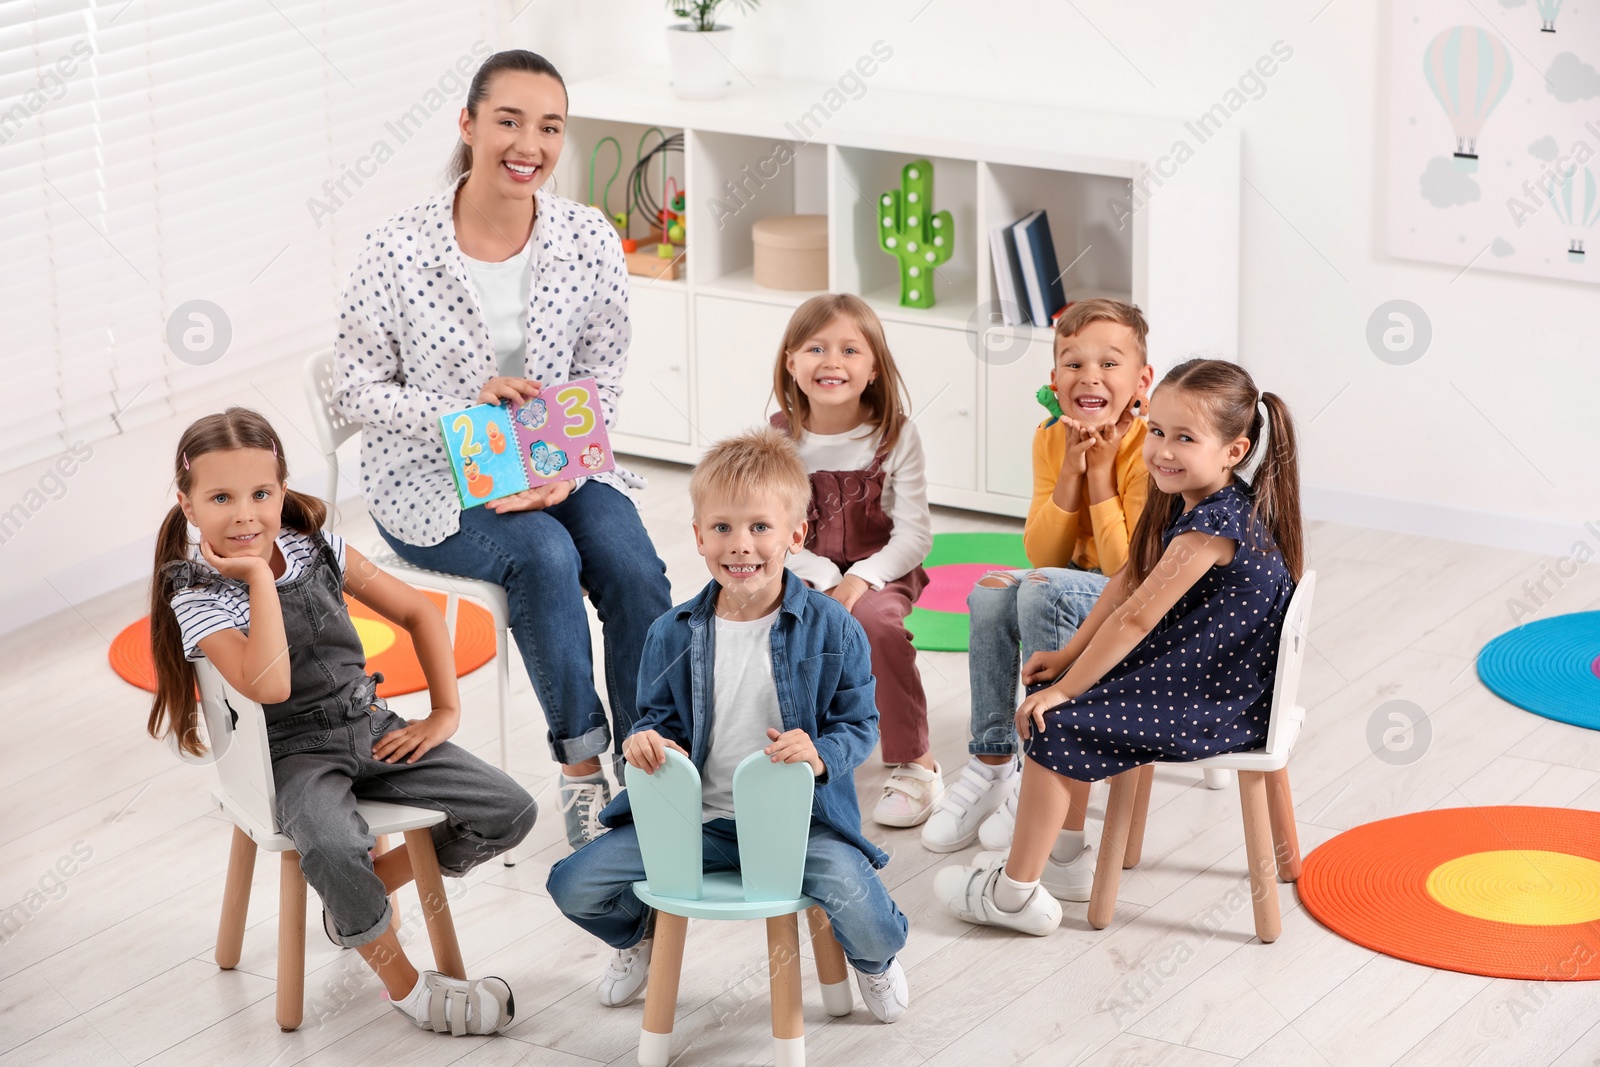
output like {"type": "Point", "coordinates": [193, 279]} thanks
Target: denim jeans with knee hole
{"type": "Point", "coordinates": [1036, 609]}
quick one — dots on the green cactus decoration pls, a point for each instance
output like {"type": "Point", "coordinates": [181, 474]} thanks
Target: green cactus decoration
{"type": "Point", "coordinates": [911, 231]}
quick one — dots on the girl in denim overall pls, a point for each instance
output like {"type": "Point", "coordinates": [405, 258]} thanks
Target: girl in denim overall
{"type": "Point", "coordinates": [262, 599]}
{"type": "Point", "coordinates": [868, 528]}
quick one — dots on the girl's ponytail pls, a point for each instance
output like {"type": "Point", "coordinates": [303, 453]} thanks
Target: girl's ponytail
{"type": "Point", "coordinates": [1277, 485]}
{"type": "Point", "coordinates": [174, 710]}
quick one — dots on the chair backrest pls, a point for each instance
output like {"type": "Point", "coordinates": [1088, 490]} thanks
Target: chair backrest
{"type": "Point", "coordinates": [772, 802]}
{"type": "Point", "coordinates": [242, 759]}
{"type": "Point", "coordinates": [1291, 655]}
{"type": "Point", "coordinates": [333, 427]}
{"type": "Point", "coordinates": [772, 813]}
{"type": "Point", "coordinates": [666, 812]}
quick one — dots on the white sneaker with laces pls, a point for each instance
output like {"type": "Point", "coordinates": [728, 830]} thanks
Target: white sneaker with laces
{"type": "Point", "coordinates": [887, 994]}
{"type": "Point", "coordinates": [954, 823]}
{"type": "Point", "coordinates": [1072, 881]}
{"type": "Point", "coordinates": [909, 796]}
{"type": "Point", "coordinates": [995, 833]}
{"type": "Point", "coordinates": [626, 974]}
{"type": "Point", "coordinates": [580, 802]}
{"type": "Point", "coordinates": [969, 893]}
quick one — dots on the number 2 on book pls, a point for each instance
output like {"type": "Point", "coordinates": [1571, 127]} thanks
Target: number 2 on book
{"type": "Point", "coordinates": [463, 426]}
{"type": "Point", "coordinates": [573, 404]}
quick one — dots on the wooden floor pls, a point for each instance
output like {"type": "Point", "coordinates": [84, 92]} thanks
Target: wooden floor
{"type": "Point", "coordinates": [115, 967]}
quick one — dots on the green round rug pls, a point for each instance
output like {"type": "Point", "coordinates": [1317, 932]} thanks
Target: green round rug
{"type": "Point", "coordinates": [956, 562]}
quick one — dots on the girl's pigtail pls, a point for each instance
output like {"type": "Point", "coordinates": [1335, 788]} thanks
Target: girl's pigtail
{"type": "Point", "coordinates": [174, 710]}
{"type": "Point", "coordinates": [302, 513]}
{"type": "Point", "coordinates": [1276, 486]}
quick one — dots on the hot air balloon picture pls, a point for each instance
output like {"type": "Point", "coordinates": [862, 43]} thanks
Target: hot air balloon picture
{"type": "Point", "coordinates": [1469, 70]}
{"type": "Point", "coordinates": [1575, 199]}
{"type": "Point", "coordinates": [1548, 9]}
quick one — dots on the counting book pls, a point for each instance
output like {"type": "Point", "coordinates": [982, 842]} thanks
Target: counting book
{"type": "Point", "coordinates": [500, 449]}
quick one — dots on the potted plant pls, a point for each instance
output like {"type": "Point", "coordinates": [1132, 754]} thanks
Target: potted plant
{"type": "Point", "coordinates": [698, 48]}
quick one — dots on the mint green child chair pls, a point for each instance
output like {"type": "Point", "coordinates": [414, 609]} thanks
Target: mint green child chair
{"type": "Point", "coordinates": [773, 806]}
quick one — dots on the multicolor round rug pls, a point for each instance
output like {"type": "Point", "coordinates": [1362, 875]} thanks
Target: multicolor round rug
{"type": "Point", "coordinates": [955, 564]}
{"type": "Point", "coordinates": [1550, 667]}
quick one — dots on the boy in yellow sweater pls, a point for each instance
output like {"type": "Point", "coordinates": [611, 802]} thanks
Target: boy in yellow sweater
{"type": "Point", "coordinates": [1089, 486]}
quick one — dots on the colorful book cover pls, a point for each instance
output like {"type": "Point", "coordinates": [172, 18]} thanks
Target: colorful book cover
{"type": "Point", "coordinates": [496, 449]}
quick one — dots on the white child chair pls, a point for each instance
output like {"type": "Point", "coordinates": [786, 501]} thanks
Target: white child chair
{"type": "Point", "coordinates": [248, 797]}
{"type": "Point", "coordinates": [1270, 837]}
{"type": "Point", "coordinates": [333, 429]}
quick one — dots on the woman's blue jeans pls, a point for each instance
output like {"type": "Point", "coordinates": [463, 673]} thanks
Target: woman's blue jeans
{"type": "Point", "coordinates": [1034, 609]}
{"type": "Point", "coordinates": [594, 540]}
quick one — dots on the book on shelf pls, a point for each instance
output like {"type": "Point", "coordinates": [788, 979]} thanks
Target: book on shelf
{"type": "Point", "coordinates": [1036, 255]}
{"type": "Point", "coordinates": [499, 449]}
{"type": "Point", "coordinates": [1008, 290]}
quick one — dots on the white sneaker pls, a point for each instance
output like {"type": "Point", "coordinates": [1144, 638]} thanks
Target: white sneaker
{"type": "Point", "coordinates": [995, 832]}
{"type": "Point", "coordinates": [954, 823]}
{"type": "Point", "coordinates": [969, 893]}
{"type": "Point", "coordinates": [910, 795]}
{"type": "Point", "coordinates": [1072, 881]}
{"type": "Point", "coordinates": [886, 994]}
{"type": "Point", "coordinates": [452, 1006]}
{"type": "Point", "coordinates": [580, 803]}
{"type": "Point", "coordinates": [626, 975]}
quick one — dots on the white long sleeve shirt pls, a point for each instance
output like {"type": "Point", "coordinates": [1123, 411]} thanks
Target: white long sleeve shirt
{"type": "Point", "coordinates": [904, 501]}
{"type": "Point", "coordinates": [414, 344]}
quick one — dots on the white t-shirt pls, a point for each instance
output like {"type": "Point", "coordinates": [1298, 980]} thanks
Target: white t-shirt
{"type": "Point", "coordinates": [904, 501]}
{"type": "Point", "coordinates": [205, 610]}
{"type": "Point", "coordinates": [503, 290]}
{"type": "Point", "coordinates": [744, 703]}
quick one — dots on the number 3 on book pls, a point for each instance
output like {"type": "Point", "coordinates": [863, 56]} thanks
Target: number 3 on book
{"type": "Point", "coordinates": [463, 426]}
{"type": "Point", "coordinates": [573, 401]}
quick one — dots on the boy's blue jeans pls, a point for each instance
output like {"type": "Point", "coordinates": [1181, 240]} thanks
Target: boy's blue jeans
{"type": "Point", "coordinates": [1037, 609]}
{"type": "Point", "coordinates": [594, 888]}
{"type": "Point", "coordinates": [545, 559]}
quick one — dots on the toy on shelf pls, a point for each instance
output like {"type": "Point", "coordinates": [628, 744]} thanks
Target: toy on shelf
{"type": "Point", "coordinates": [620, 219]}
{"type": "Point", "coordinates": [911, 231]}
{"type": "Point", "coordinates": [661, 253]}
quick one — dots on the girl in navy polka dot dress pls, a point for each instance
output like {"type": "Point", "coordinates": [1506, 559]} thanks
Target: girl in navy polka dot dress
{"type": "Point", "coordinates": [1176, 660]}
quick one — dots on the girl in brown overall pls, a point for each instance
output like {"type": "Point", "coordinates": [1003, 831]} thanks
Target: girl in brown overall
{"type": "Point", "coordinates": [868, 529]}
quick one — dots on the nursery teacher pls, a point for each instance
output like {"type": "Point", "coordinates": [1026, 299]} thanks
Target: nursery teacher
{"type": "Point", "coordinates": [481, 294]}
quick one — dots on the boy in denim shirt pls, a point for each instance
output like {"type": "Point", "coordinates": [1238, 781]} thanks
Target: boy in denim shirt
{"type": "Point", "coordinates": [755, 660]}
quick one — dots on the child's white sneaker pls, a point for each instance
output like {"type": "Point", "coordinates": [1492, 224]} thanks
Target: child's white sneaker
{"type": "Point", "coordinates": [626, 974]}
{"type": "Point", "coordinates": [451, 1006]}
{"type": "Point", "coordinates": [969, 893]}
{"type": "Point", "coordinates": [977, 793]}
{"type": "Point", "coordinates": [887, 994]}
{"type": "Point", "coordinates": [910, 795]}
{"type": "Point", "coordinates": [995, 832]}
{"type": "Point", "coordinates": [1073, 881]}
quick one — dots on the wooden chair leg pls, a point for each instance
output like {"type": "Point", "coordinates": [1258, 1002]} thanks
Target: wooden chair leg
{"type": "Point", "coordinates": [661, 995]}
{"type": "Point", "coordinates": [832, 973]}
{"type": "Point", "coordinates": [783, 959]}
{"type": "Point", "coordinates": [1285, 835]}
{"type": "Point", "coordinates": [1113, 842]}
{"type": "Point", "coordinates": [1258, 853]}
{"type": "Point", "coordinates": [435, 905]}
{"type": "Point", "coordinates": [235, 900]}
{"type": "Point", "coordinates": [1141, 808]}
{"type": "Point", "coordinates": [291, 942]}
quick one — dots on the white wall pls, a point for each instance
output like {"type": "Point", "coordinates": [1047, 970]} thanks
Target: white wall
{"type": "Point", "coordinates": [1478, 440]}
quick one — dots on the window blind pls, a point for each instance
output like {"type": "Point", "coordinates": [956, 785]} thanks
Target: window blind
{"type": "Point", "coordinates": [154, 153]}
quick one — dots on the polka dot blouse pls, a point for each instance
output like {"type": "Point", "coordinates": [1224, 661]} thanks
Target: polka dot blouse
{"type": "Point", "coordinates": [1200, 683]}
{"type": "Point", "coordinates": [413, 345]}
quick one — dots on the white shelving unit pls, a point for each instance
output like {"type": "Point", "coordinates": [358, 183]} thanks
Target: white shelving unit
{"type": "Point", "coordinates": [704, 345]}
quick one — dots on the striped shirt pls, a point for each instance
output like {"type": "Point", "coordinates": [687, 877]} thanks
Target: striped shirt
{"type": "Point", "coordinates": [224, 604]}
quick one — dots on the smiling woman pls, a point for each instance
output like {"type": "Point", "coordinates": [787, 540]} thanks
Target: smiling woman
{"type": "Point", "coordinates": [492, 291]}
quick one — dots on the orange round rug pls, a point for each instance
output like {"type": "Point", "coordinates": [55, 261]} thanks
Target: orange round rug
{"type": "Point", "coordinates": [1506, 892]}
{"type": "Point", "coordinates": [388, 647]}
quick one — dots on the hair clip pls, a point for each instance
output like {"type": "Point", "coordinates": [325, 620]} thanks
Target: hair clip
{"type": "Point", "coordinates": [185, 456]}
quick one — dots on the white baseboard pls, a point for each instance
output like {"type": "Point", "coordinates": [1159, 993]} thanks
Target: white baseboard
{"type": "Point", "coordinates": [1496, 529]}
